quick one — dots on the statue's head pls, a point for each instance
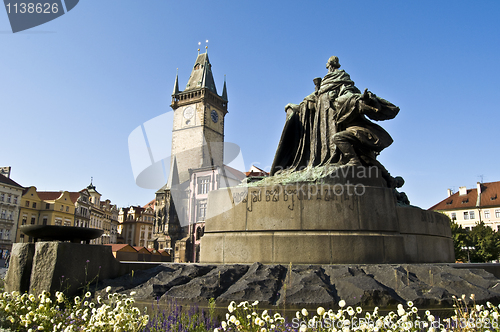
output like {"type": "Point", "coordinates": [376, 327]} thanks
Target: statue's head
{"type": "Point", "coordinates": [333, 62]}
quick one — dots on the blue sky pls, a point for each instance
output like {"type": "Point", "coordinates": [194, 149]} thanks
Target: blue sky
{"type": "Point", "coordinates": [73, 89]}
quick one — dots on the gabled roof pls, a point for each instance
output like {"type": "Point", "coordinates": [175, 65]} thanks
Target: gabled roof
{"type": "Point", "coordinates": [142, 250]}
{"type": "Point", "coordinates": [255, 171]}
{"type": "Point", "coordinates": [121, 247]}
{"type": "Point", "coordinates": [9, 181]}
{"type": "Point", "coordinates": [490, 197]}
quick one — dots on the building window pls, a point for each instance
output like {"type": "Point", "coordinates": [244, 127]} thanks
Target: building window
{"type": "Point", "coordinates": [453, 216]}
{"type": "Point", "coordinates": [58, 221]}
{"type": "Point", "coordinates": [202, 211]}
{"type": "Point", "coordinates": [45, 220]}
{"type": "Point", "coordinates": [466, 215]}
{"type": "Point", "coordinates": [7, 234]}
{"type": "Point", "coordinates": [47, 206]}
{"type": "Point", "coordinates": [62, 207]}
{"type": "Point", "coordinates": [203, 184]}
{"type": "Point", "coordinates": [27, 204]}
{"type": "Point", "coordinates": [487, 214]}
{"type": "Point", "coordinates": [2, 197]}
{"type": "Point", "coordinates": [8, 199]}
{"type": "Point", "coordinates": [15, 200]}
{"type": "Point", "coordinates": [33, 220]}
{"type": "Point", "coordinates": [25, 220]}
{"type": "Point", "coordinates": [472, 214]}
{"type": "Point", "coordinates": [67, 208]}
{"type": "Point", "coordinates": [34, 205]}
{"type": "Point", "coordinates": [3, 214]}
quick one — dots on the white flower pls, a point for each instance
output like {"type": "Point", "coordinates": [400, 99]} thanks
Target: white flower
{"type": "Point", "coordinates": [255, 303]}
{"type": "Point", "coordinates": [320, 311]}
{"type": "Point", "coordinates": [304, 312]}
{"type": "Point", "coordinates": [341, 303]}
{"type": "Point", "coordinates": [108, 289]}
{"type": "Point", "coordinates": [409, 303]}
{"type": "Point", "coordinates": [133, 293]}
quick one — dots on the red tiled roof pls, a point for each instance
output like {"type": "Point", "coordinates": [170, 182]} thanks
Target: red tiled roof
{"type": "Point", "coordinates": [142, 250]}
{"type": "Point", "coordinates": [150, 204]}
{"type": "Point", "coordinates": [74, 196]}
{"type": "Point", "coordinates": [9, 181]}
{"type": "Point", "coordinates": [49, 195]}
{"type": "Point", "coordinates": [490, 196]}
{"type": "Point", "coordinates": [117, 247]}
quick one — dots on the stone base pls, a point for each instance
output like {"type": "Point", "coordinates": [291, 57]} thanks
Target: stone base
{"type": "Point", "coordinates": [307, 223]}
{"type": "Point", "coordinates": [298, 286]}
{"type": "Point", "coordinates": [62, 266]}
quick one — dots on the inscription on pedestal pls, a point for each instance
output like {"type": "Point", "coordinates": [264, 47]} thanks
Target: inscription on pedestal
{"type": "Point", "coordinates": [342, 195]}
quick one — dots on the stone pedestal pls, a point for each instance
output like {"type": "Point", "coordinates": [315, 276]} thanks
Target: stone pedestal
{"type": "Point", "coordinates": [311, 223]}
{"type": "Point", "coordinates": [63, 266]}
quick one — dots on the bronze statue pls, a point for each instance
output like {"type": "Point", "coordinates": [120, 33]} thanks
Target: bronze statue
{"type": "Point", "coordinates": [330, 127]}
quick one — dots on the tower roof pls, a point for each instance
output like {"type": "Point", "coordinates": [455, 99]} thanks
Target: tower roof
{"type": "Point", "coordinates": [201, 76]}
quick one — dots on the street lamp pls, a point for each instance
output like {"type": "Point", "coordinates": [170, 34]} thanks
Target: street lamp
{"type": "Point", "coordinates": [468, 251]}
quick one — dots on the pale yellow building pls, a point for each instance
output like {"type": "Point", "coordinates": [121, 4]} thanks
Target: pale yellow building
{"type": "Point", "coordinates": [467, 207]}
{"type": "Point", "coordinates": [45, 208]}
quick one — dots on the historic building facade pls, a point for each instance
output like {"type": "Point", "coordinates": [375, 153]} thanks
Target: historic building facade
{"type": "Point", "coordinates": [45, 208]}
{"type": "Point", "coordinates": [10, 201]}
{"type": "Point", "coordinates": [135, 224]}
{"type": "Point", "coordinates": [470, 206]}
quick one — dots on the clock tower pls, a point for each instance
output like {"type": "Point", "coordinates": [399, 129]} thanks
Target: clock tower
{"type": "Point", "coordinates": [198, 129]}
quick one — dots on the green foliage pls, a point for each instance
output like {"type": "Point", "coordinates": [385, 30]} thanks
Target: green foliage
{"type": "Point", "coordinates": [483, 238]}
{"type": "Point", "coordinates": [487, 243]}
{"type": "Point", "coordinates": [460, 239]}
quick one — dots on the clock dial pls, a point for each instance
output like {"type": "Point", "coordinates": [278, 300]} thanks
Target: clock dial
{"type": "Point", "coordinates": [215, 116]}
{"type": "Point", "coordinates": [188, 112]}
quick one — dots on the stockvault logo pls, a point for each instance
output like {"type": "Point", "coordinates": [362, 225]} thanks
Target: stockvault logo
{"type": "Point", "coordinates": [24, 14]}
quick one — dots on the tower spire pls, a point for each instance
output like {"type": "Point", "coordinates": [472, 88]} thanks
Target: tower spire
{"type": "Point", "coordinates": [176, 84]}
{"type": "Point", "coordinates": [224, 90]}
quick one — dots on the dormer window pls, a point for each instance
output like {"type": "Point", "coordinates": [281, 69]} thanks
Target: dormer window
{"type": "Point", "coordinates": [449, 202]}
{"type": "Point", "coordinates": [465, 201]}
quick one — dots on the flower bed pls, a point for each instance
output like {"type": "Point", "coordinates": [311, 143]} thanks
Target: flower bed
{"type": "Point", "coordinates": [117, 312]}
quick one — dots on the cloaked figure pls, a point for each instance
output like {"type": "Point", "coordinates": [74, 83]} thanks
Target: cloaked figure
{"type": "Point", "coordinates": [331, 127]}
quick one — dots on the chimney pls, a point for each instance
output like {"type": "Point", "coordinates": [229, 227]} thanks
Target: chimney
{"type": "Point", "coordinates": [478, 201]}
{"type": "Point", "coordinates": [462, 191]}
{"type": "Point", "coordinates": [450, 192]}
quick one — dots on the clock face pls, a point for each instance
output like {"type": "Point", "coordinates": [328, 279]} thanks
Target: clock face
{"type": "Point", "coordinates": [188, 112]}
{"type": "Point", "coordinates": [215, 116]}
